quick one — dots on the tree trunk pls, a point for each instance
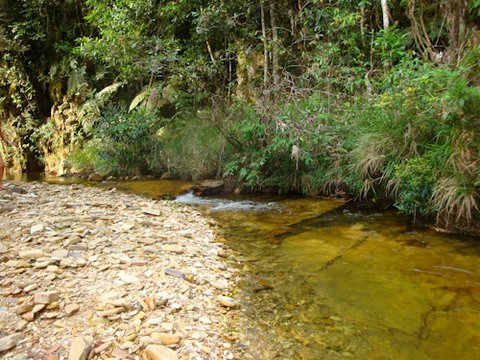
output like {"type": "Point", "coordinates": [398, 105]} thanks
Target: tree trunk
{"type": "Point", "coordinates": [455, 13]}
{"type": "Point", "coordinates": [265, 45]}
{"type": "Point", "coordinates": [386, 25]}
{"type": "Point", "coordinates": [210, 52]}
{"type": "Point", "coordinates": [385, 13]}
{"type": "Point", "coordinates": [362, 24]}
{"type": "Point", "coordinates": [273, 23]}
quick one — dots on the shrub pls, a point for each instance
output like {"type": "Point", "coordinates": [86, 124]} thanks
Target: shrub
{"type": "Point", "coordinates": [122, 143]}
{"type": "Point", "coordinates": [285, 147]}
{"type": "Point", "coordinates": [414, 140]}
{"type": "Point", "coordinates": [412, 186]}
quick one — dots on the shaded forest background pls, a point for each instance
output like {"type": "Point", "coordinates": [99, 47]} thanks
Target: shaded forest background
{"type": "Point", "coordinates": [377, 99]}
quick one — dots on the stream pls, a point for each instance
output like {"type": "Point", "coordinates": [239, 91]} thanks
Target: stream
{"type": "Point", "coordinates": [321, 281]}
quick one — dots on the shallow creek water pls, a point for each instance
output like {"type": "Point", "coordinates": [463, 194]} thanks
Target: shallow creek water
{"type": "Point", "coordinates": [320, 281]}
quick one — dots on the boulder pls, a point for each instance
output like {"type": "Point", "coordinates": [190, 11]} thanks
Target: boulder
{"type": "Point", "coordinates": [95, 177]}
{"type": "Point", "coordinates": [209, 187]}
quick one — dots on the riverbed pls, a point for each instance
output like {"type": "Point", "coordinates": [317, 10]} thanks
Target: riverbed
{"type": "Point", "coordinates": [322, 281]}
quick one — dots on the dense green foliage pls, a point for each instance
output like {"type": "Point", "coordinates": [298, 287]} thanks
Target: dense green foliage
{"type": "Point", "coordinates": [318, 97]}
{"type": "Point", "coordinates": [416, 141]}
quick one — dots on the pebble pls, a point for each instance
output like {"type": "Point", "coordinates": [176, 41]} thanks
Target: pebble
{"type": "Point", "coordinates": [41, 264]}
{"type": "Point", "coordinates": [128, 278]}
{"type": "Point", "coordinates": [80, 348]}
{"type": "Point", "coordinates": [177, 249]}
{"type": "Point", "coordinates": [71, 309]}
{"type": "Point", "coordinates": [227, 301]}
{"type": "Point", "coordinates": [205, 320]}
{"type": "Point", "coordinates": [29, 316]}
{"type": "Point", "coordinates": [30, 287]}
{"type": "Point", "coordinates": [165, 338]}
{"type": "Point", "coordinates": [10, 341]}
{"type": "Point", "coordinates": [150, 302]}
{"type": "Point", "coordinates": [59, 254]}
{"type": "Point", "coordinates": [148, 273]}
{"type": "Point", "coordinates": [151, 211]}
{"type": "Point", "coordinates": [23, 308]}
{"type": "Point", "coordinates": [103, 347]}
{"type": "Point", "coordinates": [46, 297]}
{"type": "Point", "coordinates": [20, 325]}
{"type": "Point", "coordinates": [158, 352]}
{"type": "Point", "coordinates": [38, 307]}
{"type": "Point", "coordinates": [35, 229]}
{"type": "Point", "coordinates": [220, 285]}
{"type": "Point", "coordinates": [72, 241]}
{"type": "Point", "coordinates": [53, 269]}
{"type": "Point", "coordinates": [110, 312]}
{"type": "Point", "coordinates": [31, 254]}
{"type": "Point", "coordinates": [175, 273]}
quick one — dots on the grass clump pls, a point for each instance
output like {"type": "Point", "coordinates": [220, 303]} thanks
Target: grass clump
{"type": "Point", "coordinates": [189, 148]}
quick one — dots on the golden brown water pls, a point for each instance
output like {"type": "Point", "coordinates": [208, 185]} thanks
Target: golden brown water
{"type": "Point", "coordinates": [351, 285]}
{"type": "Point", "coordinates": [322, 282]}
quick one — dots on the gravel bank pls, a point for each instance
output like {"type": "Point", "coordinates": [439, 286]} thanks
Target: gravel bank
{"type": "Point", "coordinates": [87, 273]}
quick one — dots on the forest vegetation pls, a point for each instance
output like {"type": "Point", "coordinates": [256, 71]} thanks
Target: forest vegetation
{"type": "Point", "coordinates": [375, 99]}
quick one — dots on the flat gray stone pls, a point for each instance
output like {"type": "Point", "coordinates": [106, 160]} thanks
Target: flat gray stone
{"type": "Point", "coordinates": [10, 341]}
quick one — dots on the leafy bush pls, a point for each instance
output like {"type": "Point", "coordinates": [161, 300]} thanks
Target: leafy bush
{"type": "Point", "coordinates": [287, 147]}
{"type": "Point", "coordinates": [414, 182]}
{"type": "Point", "coordinates": [122, 143]}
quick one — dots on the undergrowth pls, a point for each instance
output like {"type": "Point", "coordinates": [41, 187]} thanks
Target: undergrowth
{"type": "Point", "coordinates": [414, 140]}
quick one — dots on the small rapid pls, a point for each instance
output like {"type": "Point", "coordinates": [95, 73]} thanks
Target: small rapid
{"type": "Point", "coordinates": [222, 204]}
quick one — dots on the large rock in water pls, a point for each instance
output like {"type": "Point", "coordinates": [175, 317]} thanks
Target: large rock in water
{"type": "Point", "coordinates": [209, 187]}
{"type": "Point", "coordinates": [95, 177]}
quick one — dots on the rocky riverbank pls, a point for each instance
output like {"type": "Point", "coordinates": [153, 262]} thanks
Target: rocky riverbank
{"type": "Point", "coordinates": [87, 273]}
